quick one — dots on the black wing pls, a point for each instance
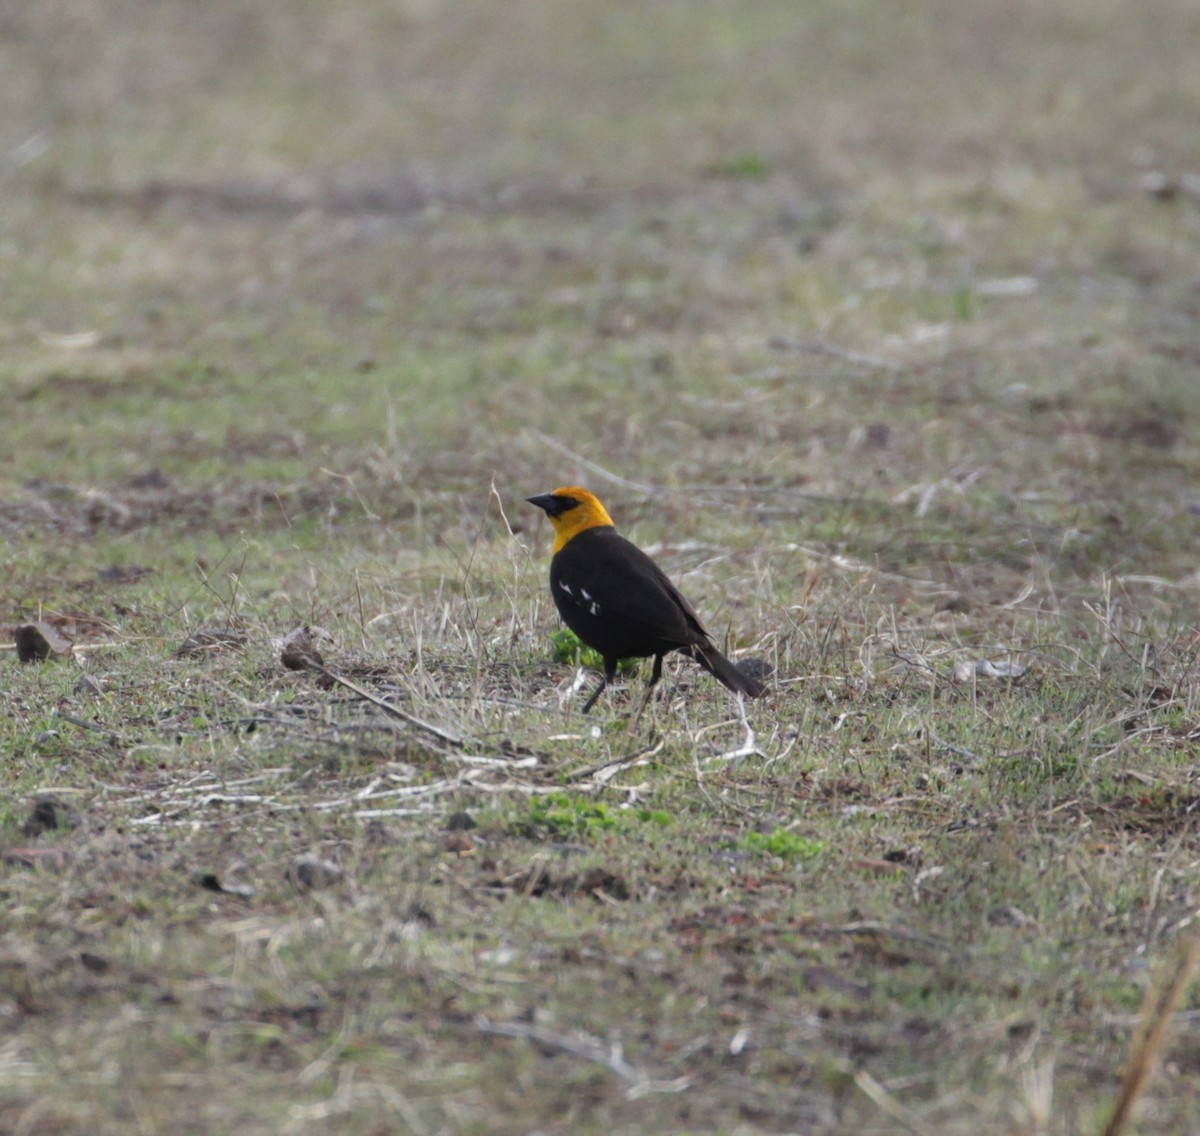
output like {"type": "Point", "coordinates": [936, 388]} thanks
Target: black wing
{"type": "Point", "coordinates": [618, 600]}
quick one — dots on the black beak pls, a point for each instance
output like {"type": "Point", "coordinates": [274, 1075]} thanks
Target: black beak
{"type": "Point", "coordinates": [547, 502]}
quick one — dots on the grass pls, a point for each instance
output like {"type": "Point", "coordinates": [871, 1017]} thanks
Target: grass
{"type": "Point", "coordinates": [863, 323]}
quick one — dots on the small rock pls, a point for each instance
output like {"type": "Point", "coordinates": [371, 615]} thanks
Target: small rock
{"type": "Point", "coordinates": [458, 843]}
{"type": "Point", "coordinates": [967, 669]}
{"type": "Point", "coordinates": [602, 881]}
{"type": "Point", "coordinates": [309, 872]}
{"type": "Point", "coordinates": [37, 641]}
{"type": "Point", "coordinates": [955, 605]}
{"type": "Point", "coordinates": [86, 684]}
{"type": "Point", "coordinates": [299, 652]}
{"type": "Point", "coordinates": [210, 639]}
{"type": "Point", "coordinates": [758, 669]}
{"type": "Point", "coordinates": [1006, 915]}
{"type": "Point", "coordinates": [877, 864]}
{"type": "Point", "coordinates": [152, 478]}
{"type": "Point", "coordinates": [825, 978]}
{"type": "Point", "coordinates": [122, 574]}
{"type": "Point", "coordinates": [376, 832]}
{"type": "Point", "coordinates": [49, 813]}
{"type": "Point", "coordinates": [418, 914]}
{"type": "Point", "coordinates": [210, 881]}
{"type": "Point", "coordinates": [1158, 184]}
{"type": "Point", "coordinates": [97, 964]}
{"type": "Point", "coordinates": [460, 822]}
{"type": "Point", "coordinates": [879, 435]}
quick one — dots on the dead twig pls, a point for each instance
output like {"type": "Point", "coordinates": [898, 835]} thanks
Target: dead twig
{"type": "Point", "coordinates": [1160, 1003]}
{"type": "Point", "coordinates": [812, 347]}
{"type": "Point", "coordinates": [607, 770]}
{"type": "Point", "coordinates": [884, 1100]}
{"type": "Point", "coordinates": [500, 507]}
{"type": "Point", "coordinates": [879, 930]}
{"type": "Point", "coordinates": [749, 746]}
{"type": "Point", "coordinates": [84, 724]}
{"type": "Point", "coordinates": [588, 1048]}
{"type": "Point", "coordinates": [391, 708]}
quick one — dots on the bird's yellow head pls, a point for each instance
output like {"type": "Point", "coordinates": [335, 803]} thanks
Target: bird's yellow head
{"type": "Point", "coordinates": [571, 511]}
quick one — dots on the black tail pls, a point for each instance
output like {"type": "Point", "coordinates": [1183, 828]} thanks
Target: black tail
{"type": "Point", "coordinates": [726, 672]}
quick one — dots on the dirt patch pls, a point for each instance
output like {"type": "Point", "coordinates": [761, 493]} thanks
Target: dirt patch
{"type": "Point", "coordinates": [365, 195]}
{"type": "Point", "coordinates": [224, 508]}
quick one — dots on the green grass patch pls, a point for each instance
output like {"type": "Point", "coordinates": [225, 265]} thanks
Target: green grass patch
{"type": "Point", "coordinates": [782, 842]}
{"type": "Point", "coordinates": [748, 166]}
{"type": "Point", "coordinates": [561, 815]}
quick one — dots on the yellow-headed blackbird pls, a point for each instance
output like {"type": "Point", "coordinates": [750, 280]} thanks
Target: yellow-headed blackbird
{"type": "Point", "coordinates": [617, 600]}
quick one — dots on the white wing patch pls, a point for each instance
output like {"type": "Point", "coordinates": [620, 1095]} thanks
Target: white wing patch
{"type": "Point", "coordinates": [592, 606]}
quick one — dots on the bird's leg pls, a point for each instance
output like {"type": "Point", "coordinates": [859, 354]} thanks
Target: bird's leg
{"type": "Point", "coordinates": [642, 704]}
{"type": "Point", "coordinates": [655, 675]}
{"type": "Point", "coordinates": [594, 695]}
{"type": "Point", "coordinates": [610, 672]}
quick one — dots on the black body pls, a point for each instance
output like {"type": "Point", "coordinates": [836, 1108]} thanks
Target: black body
{"type": "Point", "coordinates": [621, 604]}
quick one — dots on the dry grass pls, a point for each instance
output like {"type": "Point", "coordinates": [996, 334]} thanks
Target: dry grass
{"type": "Point", "coordinates": [871, 326]}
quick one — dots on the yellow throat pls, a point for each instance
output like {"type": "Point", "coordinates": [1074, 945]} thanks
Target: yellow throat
{"type": "Point", "coordinates": [572, 510]}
